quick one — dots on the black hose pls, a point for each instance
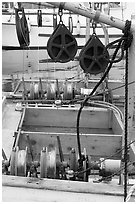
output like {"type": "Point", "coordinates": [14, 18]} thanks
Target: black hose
{"type": "Point", "coordinates": [92, 92]}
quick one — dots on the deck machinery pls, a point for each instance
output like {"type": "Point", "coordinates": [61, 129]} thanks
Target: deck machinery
{"type": "Point", "coordinates": [46, 144]}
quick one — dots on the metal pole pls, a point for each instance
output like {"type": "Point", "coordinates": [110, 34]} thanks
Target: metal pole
{"type": "Point", "coordinates": [80, 9]}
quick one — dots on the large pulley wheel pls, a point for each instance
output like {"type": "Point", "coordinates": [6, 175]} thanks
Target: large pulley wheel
{"type": "Point", "coordinates": [43, 163]}
{"type": "Point", "coordinates": [22, 28]}
{"type": "Point", "coordinates": [51, 91]}
{"type": "Point", "coordinates": [21, 162]}
{"type": "Point", "coordinates": [62, 46]}
{"type": "Point", "coordinates": [68, 91]}
{"type": "Point", "coordinates": [12, 162]}
{"type": "Point", "coordinates": [51, 164]}
{"type": "Point", "coordinates": [48, 164]}
{"type": "Point", "coordinates": [94, 56]}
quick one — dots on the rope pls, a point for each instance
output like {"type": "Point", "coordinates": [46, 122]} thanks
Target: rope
{"type": "Point", "coordinates": [124, 41]}
{"type": "Point", "coordinates": [126, 44]}
{"type": "Point", "coordinates": [130, 193]}
{"type": "Point", "coordinates": [80, 172]}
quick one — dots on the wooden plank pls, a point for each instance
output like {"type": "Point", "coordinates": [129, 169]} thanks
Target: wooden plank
{"type": "Point", "coordinates": [67, 130]}
{"type": "Point", "coordinates": [95, 144]}
{"type": "Point", "coordinates": [63, 185]}
{"type": "Point", "coordinates": [43, 195]}
{"type": "Point", "coordinates": [10, 122]}
{"type": "Point", "coordinates": [66, 117]}
{"type": "Point", "coordinates": [117, 125]}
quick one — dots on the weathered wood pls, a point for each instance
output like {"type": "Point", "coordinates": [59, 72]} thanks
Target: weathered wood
{"type": "Point", "coordinates": [66, 117]}
{"type": "Point", "coordinates": [97, 145]}
{"type": "Point", "coordinates": [63, 185]}
{"type": "Point", "coordinates": [10, 123]}
{"type": "Point", "coordinates": [117, 124]}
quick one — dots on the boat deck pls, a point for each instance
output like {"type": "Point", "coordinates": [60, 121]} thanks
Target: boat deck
{"type": "Point", "coordinates": [10, 121]}
{"type": "Point", "coordinates": [32, 189]}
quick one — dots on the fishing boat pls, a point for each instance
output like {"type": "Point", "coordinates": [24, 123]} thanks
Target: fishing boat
{"type": "Point", "coordinates": [68, 102]}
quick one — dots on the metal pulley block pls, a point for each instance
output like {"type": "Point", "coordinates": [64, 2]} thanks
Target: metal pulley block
{"type": "Point", "coordinates": [68, 91]}
{"type": "Point", "coordinates": [62, 46]}
{"type": "Point", "coordinates": [48, 163]}
{"type": "Point", "coordinates": [94, 56]}
{"type": "Point", "coordinates": [22, 28]}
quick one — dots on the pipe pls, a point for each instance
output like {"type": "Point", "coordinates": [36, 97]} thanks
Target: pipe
{"type": "Point", "coordinates": [80, 9]}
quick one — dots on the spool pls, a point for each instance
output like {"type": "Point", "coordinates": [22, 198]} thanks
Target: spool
{"type": "Point", "coordinates": [48, 163]}
{"type": "Point", "coordinates": [21, 162]}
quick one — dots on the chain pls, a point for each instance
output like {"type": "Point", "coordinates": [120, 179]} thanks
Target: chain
{"type": "Point", "coordinates": [60, 13]}
{"type": "Point", "coordinates": [94, 25]}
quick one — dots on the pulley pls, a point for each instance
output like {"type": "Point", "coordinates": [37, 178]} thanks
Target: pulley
{"type": "Point", "coordinates": [22, 28]}
{"type": "Point", "coordinates": [94, 56]}
{"type": "Point", "coordinates": [39, 18]}
{"type": "Point", "coordinates": [62, 46]}
{"type": "Point", "coordinates": [48, 163]}
{"type": "Point", "coordinates": [18, 162]}
{"type": "Point", "coordinates": [12, 162]}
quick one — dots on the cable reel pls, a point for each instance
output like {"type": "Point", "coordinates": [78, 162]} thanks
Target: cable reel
{"type": "Point", "coordinates": [22, 28]}
{"type": "Point", "coordinates": [94, 55]}
{"type": "Point", "coordinates": [61, 46]}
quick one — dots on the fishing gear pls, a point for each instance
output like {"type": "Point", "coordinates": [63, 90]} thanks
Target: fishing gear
{"type": "Point", "coordinates": [62, 46]}
{"type": "Point", "coordinates": [94, 55]}
{"type": "Point", "coordinates": [22, 29]}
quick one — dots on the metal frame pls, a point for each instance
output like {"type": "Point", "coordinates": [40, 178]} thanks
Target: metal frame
{"type": "Point", "coordinates": [80, 9]}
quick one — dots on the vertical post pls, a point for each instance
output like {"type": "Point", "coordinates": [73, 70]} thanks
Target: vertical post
{"type": "Point", "coordinates": [131, 96]}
